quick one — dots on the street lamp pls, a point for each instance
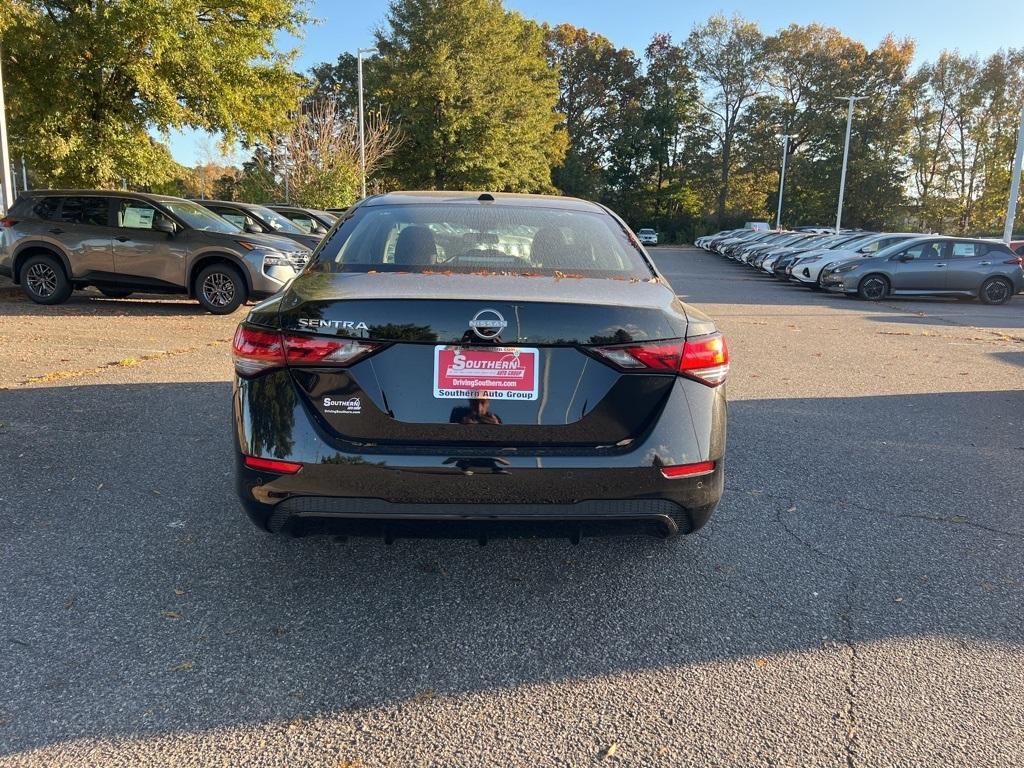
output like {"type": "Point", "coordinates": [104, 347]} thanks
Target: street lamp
{"type": "Point", "coordinates": [782, 177]}
{"type": "Point", "coordinates": [362, 140]}
{"type": "Point", "coordinates": [6, 187]}
{"type": "Point", "coordinates": [846, 155]}
{"type": "Point", "coordinates": [1018, 159]}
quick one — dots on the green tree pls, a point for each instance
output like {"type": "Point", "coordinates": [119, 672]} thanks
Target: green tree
{"type": "Point", "coordinates": [339, 81]}
{"type": "Point", "coordinates": [593, 76]}
{"type": "Point", "coordinates": [469, 84]}
{"type": "Point", "coordinates": [809, 68]}
{"type": "Point", "coordinates": [729, 57]}
{"type": "Point", "coordinates": [90, 81]}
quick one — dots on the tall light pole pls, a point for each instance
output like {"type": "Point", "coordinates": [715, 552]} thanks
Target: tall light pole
{"type": "Point", "coordinates": [1018, 159]}
{"type": "Point", "coordinates": [782, 178]}
{"type": "Point", "coordinates": [362, 140]}
{"type": "Point", "coordinates": [6, 187]}
{"type": "Point", "coordinates": [846, 155]}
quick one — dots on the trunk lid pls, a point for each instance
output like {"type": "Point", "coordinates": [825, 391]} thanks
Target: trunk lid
{"type": "Point", "coordinates": [444, 338]}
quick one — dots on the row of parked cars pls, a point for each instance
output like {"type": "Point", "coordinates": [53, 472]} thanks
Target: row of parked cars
{"type": "Point", "coordinates": [223, 253]}
{"type": "Point", "coordinates": [875, 265]}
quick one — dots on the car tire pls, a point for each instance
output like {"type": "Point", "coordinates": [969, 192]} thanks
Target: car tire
{"type": "Point", "coordinates": [220, 289]}
{"type": "Point", "coordinates": [996, 290]}
{"type": "Point", "coordinates": [873, 287]}
{"type": "Point", "coordinates": [44, 280]}
{"type": "Point", "coordinates": [116, 293]}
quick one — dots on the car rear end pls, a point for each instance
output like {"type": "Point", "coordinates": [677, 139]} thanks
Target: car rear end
{"type": "Point", "coordinates": [545, 376]}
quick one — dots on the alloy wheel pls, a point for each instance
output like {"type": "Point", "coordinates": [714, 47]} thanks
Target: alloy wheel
{"type": "Point", "coordinates": [996, 291]}
{"type": "Point", "coordinates": [874, 288]}
{"type": "Point", "coordinates": [219, 289]}
{"type": "Point", "coordinates": [41, 279]}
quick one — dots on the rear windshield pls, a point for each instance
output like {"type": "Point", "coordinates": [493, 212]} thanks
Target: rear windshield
{"type": "Point", "coordinates": [469, 238]}
{"type": "Point", "coordinates": [276, 220]}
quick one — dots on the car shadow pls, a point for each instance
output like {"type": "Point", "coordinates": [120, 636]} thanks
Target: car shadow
{"type": "Point", "coordinates": [139, 601]}
{"type": "Point", "coordinates": [93, 304]}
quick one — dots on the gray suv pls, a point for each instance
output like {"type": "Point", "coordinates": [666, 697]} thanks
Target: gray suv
{"type": "Point", "coordinates": [52, 242]}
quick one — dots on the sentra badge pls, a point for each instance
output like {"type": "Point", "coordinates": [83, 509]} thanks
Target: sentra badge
{"type": "Point", "coordinates": [342, 325]}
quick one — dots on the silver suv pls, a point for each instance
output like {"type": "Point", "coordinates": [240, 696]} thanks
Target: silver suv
{"type": "Point", "coordinates": [52, 242]}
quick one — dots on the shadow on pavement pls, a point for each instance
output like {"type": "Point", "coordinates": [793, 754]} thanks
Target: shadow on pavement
{"type": "Point", "coordinates": [138, 599]}
{"type": "Point", "coordinates": [93, 305]}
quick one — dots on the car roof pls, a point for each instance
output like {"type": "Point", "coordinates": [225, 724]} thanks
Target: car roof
{"type": "Point", "coordinates": [150, 196]}
{"type": "Point", "coordinates": [237, 203]}
{"type": "Point", "coordinates": [468, 198]}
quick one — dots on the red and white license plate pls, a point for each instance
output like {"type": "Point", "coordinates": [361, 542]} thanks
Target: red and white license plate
{"type": "Point", "coordinates": [497, 373]}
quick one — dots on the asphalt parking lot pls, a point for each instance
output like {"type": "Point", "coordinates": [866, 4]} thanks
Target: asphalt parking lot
{"type": "Point", "coordinates": [857, 600]}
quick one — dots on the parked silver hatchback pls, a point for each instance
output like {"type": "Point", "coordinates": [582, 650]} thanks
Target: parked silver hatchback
{"type": "Point", "coordinates": [926, 266]}
{"type": "Point", "coordinates": [52, 242]}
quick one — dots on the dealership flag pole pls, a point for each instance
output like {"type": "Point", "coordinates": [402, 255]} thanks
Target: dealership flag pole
{"type": "Point", "coordinates": [846, 155]}
{"type": "Point", "coordinates": [6, 186]}
{"type": "Point", "coordinates": [362, 142]}
{"type": "Point", "coordinates": [1011, 208]}
{"type": "Point", "coordinates": [782, 179]}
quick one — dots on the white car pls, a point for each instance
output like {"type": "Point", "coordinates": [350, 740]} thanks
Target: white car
{"type": "Point", "coordinates": [807, 269]}
{"type": "Point", "coordinates": [648, 236]}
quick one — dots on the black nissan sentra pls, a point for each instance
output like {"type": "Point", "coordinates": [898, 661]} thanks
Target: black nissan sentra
{"type": "Point", "coordinates": [464, 364]}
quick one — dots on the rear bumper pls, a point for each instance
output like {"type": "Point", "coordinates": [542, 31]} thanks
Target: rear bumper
{"type": "Point", "coordinates": [353, 487]}
{"type": "Point", "coordinates": [316, 499]}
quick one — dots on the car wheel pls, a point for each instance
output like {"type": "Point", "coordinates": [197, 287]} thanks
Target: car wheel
{"type": "Point", "coordinates": [115, 293]}
{"type": "Point", "coordinates": [220, 289]}
{"type": "Point", "coordinates": [873, 287]}
{"type": "Point", "coordinates": [996, 290]}
{"type": "Point", "coordinates": [44, 281]}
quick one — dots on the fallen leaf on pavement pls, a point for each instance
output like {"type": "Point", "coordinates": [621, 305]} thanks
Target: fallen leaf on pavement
{"type": "Point", "coordinates": [609, 751]}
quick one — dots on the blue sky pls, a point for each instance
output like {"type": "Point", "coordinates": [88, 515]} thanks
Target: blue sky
{"type": "Point", "coordinates": [978, 26]}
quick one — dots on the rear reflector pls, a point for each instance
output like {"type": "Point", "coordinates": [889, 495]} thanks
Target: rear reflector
{"type": "Point", "coordinates": [256, 350]}
{"type": "Point", "coordinates": [688, 470]}
{"type": "Point", "coordinates": [703, 358]}
{"type": "Point", "coordinates": [272, 465]}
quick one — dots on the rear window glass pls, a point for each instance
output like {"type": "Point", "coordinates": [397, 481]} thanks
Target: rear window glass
{"type": "Point", "coordinates": [468, 238]}
{"type": "Point", "coordinates": [47, 208]}
{"type": "Point", "coordinates": [94, 211]}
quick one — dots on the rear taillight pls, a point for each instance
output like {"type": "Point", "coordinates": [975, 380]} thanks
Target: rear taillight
{"type": "Point", "coordinates": [703, 358]}
{"type": "Point", "coordinates": [257, 350]}
{"type": "Point", "coordinates": [7, 222]}
{"type": "Point", "coordinates": [1019, 261]}
{"type": "Point", "coordinates": [706, 359]}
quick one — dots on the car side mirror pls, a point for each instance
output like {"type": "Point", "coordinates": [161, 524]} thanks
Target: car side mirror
{"type": "Point", "coordinates": [165, 225]}
{"type": "Point", "coordinates": [253, 228]}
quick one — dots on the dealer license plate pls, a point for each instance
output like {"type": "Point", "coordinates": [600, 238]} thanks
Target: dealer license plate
{"type": "Point", "coordinates": [497, 373]}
